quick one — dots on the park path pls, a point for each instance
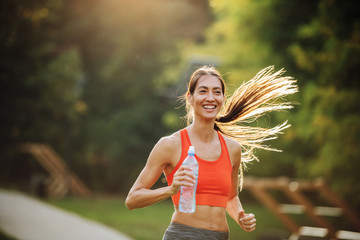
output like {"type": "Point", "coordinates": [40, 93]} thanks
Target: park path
{"type": "Point", "coordinates": [27, 218]}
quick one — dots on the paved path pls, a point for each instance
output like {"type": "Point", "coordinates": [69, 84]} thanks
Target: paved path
{"type": "Point", "coordinates": [26, 218]}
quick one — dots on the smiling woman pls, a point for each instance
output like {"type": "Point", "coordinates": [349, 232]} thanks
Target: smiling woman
{"type": "Point", "coordinates": [207, 97]}
{"type": "Point", "coordinates": [250, 101]}
{"type": "Point", "coordinates": [214, 130]}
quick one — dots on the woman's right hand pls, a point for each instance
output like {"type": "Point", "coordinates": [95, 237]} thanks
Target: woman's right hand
{"type": "Point", "coordinates": [182, 177]}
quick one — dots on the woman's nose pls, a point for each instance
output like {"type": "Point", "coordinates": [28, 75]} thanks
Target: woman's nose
{"type": "Point", "coordinates": [210, 97]}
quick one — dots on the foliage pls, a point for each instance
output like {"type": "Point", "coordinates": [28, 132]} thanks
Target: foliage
{"type": "Point", "coordinates": [36, 81]}
{"type": "Point", "coordinates": [38, 78]}
{"type": "Point", "coordinates": [331, 95]}
{"type": "Point", "coordinates": [82, 76]}
{"type": "Point", "coordinates": [318, 43]}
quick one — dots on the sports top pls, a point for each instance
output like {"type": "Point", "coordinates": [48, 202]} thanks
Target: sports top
{"type": "Point", "coordinates": [214, 177]}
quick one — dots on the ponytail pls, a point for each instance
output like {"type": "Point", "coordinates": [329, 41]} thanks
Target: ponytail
{"type": "Point", "coordinates": [250, 101]}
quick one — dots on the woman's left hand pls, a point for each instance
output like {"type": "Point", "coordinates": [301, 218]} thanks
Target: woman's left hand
{"type": "Point", "coordinates": [247, 221]}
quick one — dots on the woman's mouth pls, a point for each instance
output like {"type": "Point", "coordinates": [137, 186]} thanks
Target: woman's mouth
{"type": "Point", "coordinates": [209, 106]}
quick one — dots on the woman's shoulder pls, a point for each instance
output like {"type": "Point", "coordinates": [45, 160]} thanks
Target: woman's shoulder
{"type": "Point", "coordinates": [231, 142]}
{"type": "Point", "coordinates": [167, 151]}
{"type": "Point", "coordinates": [171, 142]}
{"type": "Point", "coordinates": [233, 146]}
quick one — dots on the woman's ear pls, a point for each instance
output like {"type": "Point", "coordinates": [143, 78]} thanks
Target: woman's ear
{"type": "Point", "coordinates": [189, 98]}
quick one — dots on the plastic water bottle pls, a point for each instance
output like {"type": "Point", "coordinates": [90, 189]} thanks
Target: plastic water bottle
{"type": "Point", "coordinates": [187, 202]}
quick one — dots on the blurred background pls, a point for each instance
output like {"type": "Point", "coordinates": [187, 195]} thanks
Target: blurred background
{"type": "Point", "coordinates": [99, 82]}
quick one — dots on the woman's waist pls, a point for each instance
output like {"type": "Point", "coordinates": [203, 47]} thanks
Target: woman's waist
{"type": "Point", "coordinates": [206, 217]}
{"type": "Point", "coordinates": [208, 199]}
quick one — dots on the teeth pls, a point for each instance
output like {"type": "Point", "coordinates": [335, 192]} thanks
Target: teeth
{"type": "Point", "coordinates": [209, 107]}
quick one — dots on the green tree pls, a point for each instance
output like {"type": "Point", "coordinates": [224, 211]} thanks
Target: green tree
{"type": "Point", "coordinates": [327, 49]}
{"type": "Point", "coordinates": [83, 77]}
{"type": "Point", "coordinates": [318, 43]}
{"type": "Point", "coordinates": [38, 99]}
{"type": "Point", "coordinates": [125, 47]}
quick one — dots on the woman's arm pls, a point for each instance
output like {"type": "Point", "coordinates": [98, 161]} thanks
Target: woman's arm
{"type": "Point", "coordinates": [234, 207]}
{"type": "Point", "coordinates": [140, 195]}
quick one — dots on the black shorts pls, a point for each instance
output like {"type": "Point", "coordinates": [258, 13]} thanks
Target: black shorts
{"type": "Point", "coordinates": [177, 231]}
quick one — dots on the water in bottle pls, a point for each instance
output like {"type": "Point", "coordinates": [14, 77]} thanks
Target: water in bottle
{"type": "Point", "coordinates": [187, 202]}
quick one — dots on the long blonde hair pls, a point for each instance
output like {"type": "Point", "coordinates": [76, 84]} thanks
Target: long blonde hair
{"type": "Point", "coordinates": [254, 98]}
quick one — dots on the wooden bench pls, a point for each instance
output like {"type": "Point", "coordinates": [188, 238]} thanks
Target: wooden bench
{"type": "Point", "coordinates": [61, 180]}
{"type": "Point", "coordinates": [295, 191]}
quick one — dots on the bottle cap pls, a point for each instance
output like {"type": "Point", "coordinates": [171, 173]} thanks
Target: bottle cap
{"type": "Point", "coordinates": [191, 150]}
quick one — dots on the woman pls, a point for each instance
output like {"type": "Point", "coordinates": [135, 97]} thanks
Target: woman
{"type": "Point", "coordinates": [218, 143]}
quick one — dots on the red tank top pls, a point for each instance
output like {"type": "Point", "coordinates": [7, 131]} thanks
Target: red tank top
{"type": "Point", "coordinates": [214, 180]}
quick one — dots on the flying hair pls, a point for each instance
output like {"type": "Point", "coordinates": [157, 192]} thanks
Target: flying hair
{"type": "Point", "coordinates": [250, 101]}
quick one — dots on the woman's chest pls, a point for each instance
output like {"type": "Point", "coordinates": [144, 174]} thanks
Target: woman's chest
{"type": "Point", "coordinates": [209, 152]}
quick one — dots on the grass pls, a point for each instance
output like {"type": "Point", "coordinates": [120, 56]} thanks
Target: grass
{"type": "Point", "coordinates": [150, 223]}
{"type": "Point", "coordinates": [3, 236]}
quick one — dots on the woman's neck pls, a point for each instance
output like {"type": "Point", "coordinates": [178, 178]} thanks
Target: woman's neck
{"type": "Point", "coordinates": [203, 131]}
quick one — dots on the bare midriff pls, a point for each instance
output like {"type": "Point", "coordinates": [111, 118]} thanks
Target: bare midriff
{"type": "Point", "coordinates": [205, 217]}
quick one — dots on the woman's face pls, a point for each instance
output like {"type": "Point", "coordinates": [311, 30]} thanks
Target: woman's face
{"type": "Point", "coordinates": [207, 98]}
